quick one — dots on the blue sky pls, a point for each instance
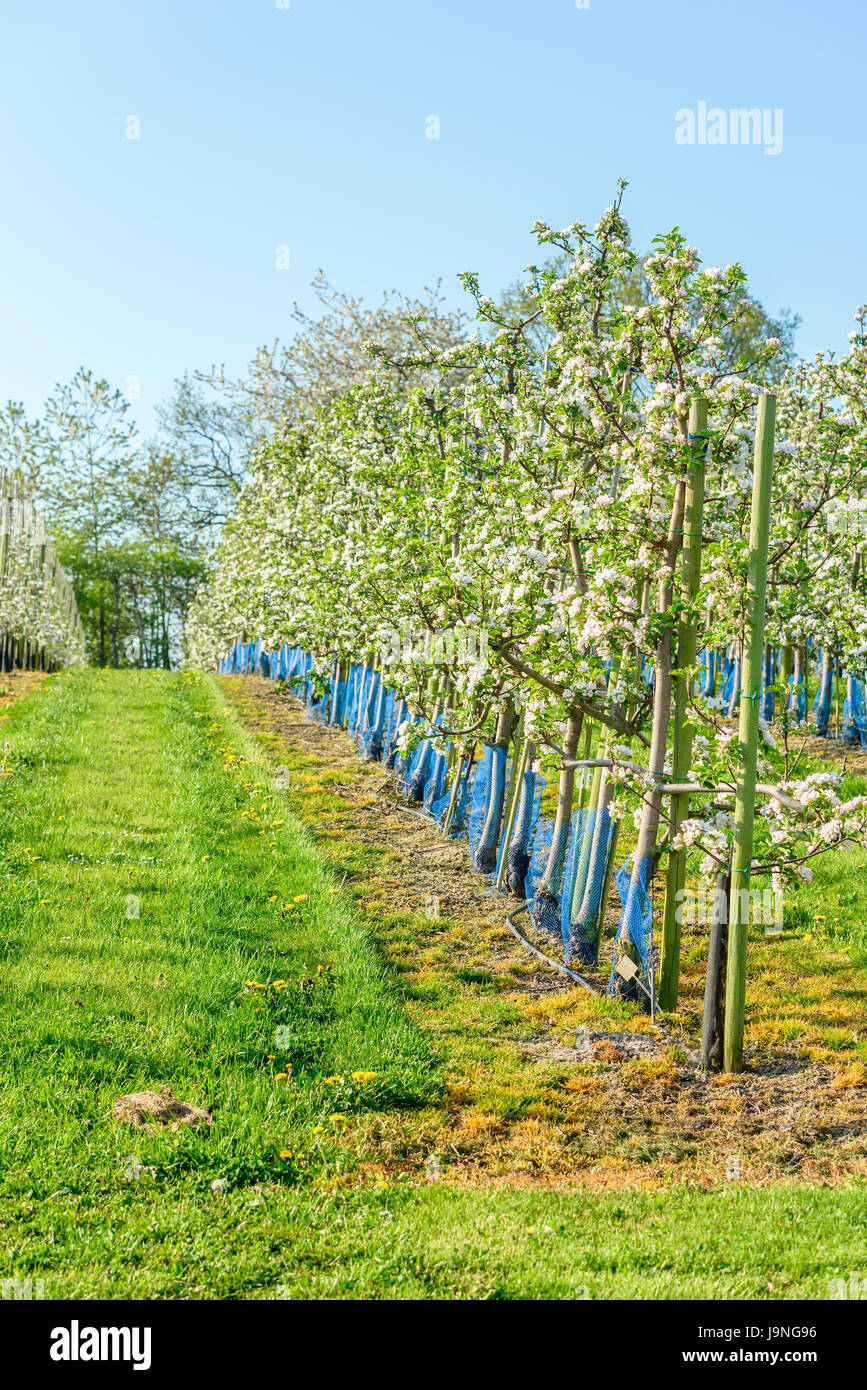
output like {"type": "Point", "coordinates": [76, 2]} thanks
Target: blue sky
{"type": "Point", "coordinates": [305, 127]}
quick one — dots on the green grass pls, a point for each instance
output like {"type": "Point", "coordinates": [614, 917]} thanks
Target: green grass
{"type": "Point", "coordinates": [164, 919]}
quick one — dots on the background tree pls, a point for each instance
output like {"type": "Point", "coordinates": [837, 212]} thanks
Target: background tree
{"type": "Point", "coordinates": [83, 485]}
{"type": "Point", "coordinates": [212, 423]}
{"type": "Point", "coordinates": [120, 515]}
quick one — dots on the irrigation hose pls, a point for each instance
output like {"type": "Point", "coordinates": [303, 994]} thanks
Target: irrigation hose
{"type": "Point", "coordinates": [564, 970]}
{"type": "Point", "coordinates": [399, 806]}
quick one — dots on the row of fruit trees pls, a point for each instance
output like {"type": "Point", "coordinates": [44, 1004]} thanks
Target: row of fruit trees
{"type": "Point", "coordinates": [40, 627]}
{"type": "Point", "coordinates": [607, 540]}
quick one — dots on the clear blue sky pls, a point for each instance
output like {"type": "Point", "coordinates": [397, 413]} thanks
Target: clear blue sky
{"type": "Point", "coordinates": [263, 126]}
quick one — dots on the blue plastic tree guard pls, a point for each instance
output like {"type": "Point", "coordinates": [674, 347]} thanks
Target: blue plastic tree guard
{"type": "Point", "coordinates": [822, 703]}
{"type": "Point", "coordinates": [855, 713]}
{"type": "Point", "coordinates": [373, 720]}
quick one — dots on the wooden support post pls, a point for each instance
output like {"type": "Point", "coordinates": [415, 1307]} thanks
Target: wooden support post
{"type": "Point", "coordinates": [748, 734]}
{"type": "Point", "coordinates": [693, 516]}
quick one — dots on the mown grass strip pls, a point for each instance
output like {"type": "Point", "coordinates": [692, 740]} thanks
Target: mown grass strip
{"type": "Point", "coordinates": [163, 924]}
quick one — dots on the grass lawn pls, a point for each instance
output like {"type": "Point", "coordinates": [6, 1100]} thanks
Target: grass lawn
{"type": "Point", "coordinates": [167, 918]}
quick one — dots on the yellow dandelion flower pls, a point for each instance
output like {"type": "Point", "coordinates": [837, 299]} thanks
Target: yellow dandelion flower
{"type": "Point", "coordinates": [281, 1076]}
{"type": "Point", "coordinates": [364, 1075]}
{"type": "Point", "coordinates": [332, 1080]}
{"type": "Point", "coordinates": [318, 1129]}
{"type": "Point", "coordinates": [300, 898]}
{"type": "Point", "coordinates": [285, 1153]}
{"type": "Point", "coordinates": [338, 1119]}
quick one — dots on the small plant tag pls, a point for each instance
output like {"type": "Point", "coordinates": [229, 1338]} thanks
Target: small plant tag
{"type": "Point", "coordinates": [626, 968]}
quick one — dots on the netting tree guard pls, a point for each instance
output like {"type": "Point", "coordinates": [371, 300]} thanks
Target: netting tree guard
{"type": "Point", "coordinates": [516, 861]}
{"type": "Point", "coordinates": [635, 927]}
{"type": "Point", "coordinates": [522, 757]}
{"type": "Point", "coordinates": [547, 895]}
{"type": "Point", "coordinates": [452, 811]}
{"type": "Point", "coordinates": [587, 874]}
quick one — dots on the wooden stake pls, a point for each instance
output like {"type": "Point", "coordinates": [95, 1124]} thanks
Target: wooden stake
{"type": "Point", "coordinates": [693, 515]}
{"type": "Point", "coordinates": [748, 734]}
